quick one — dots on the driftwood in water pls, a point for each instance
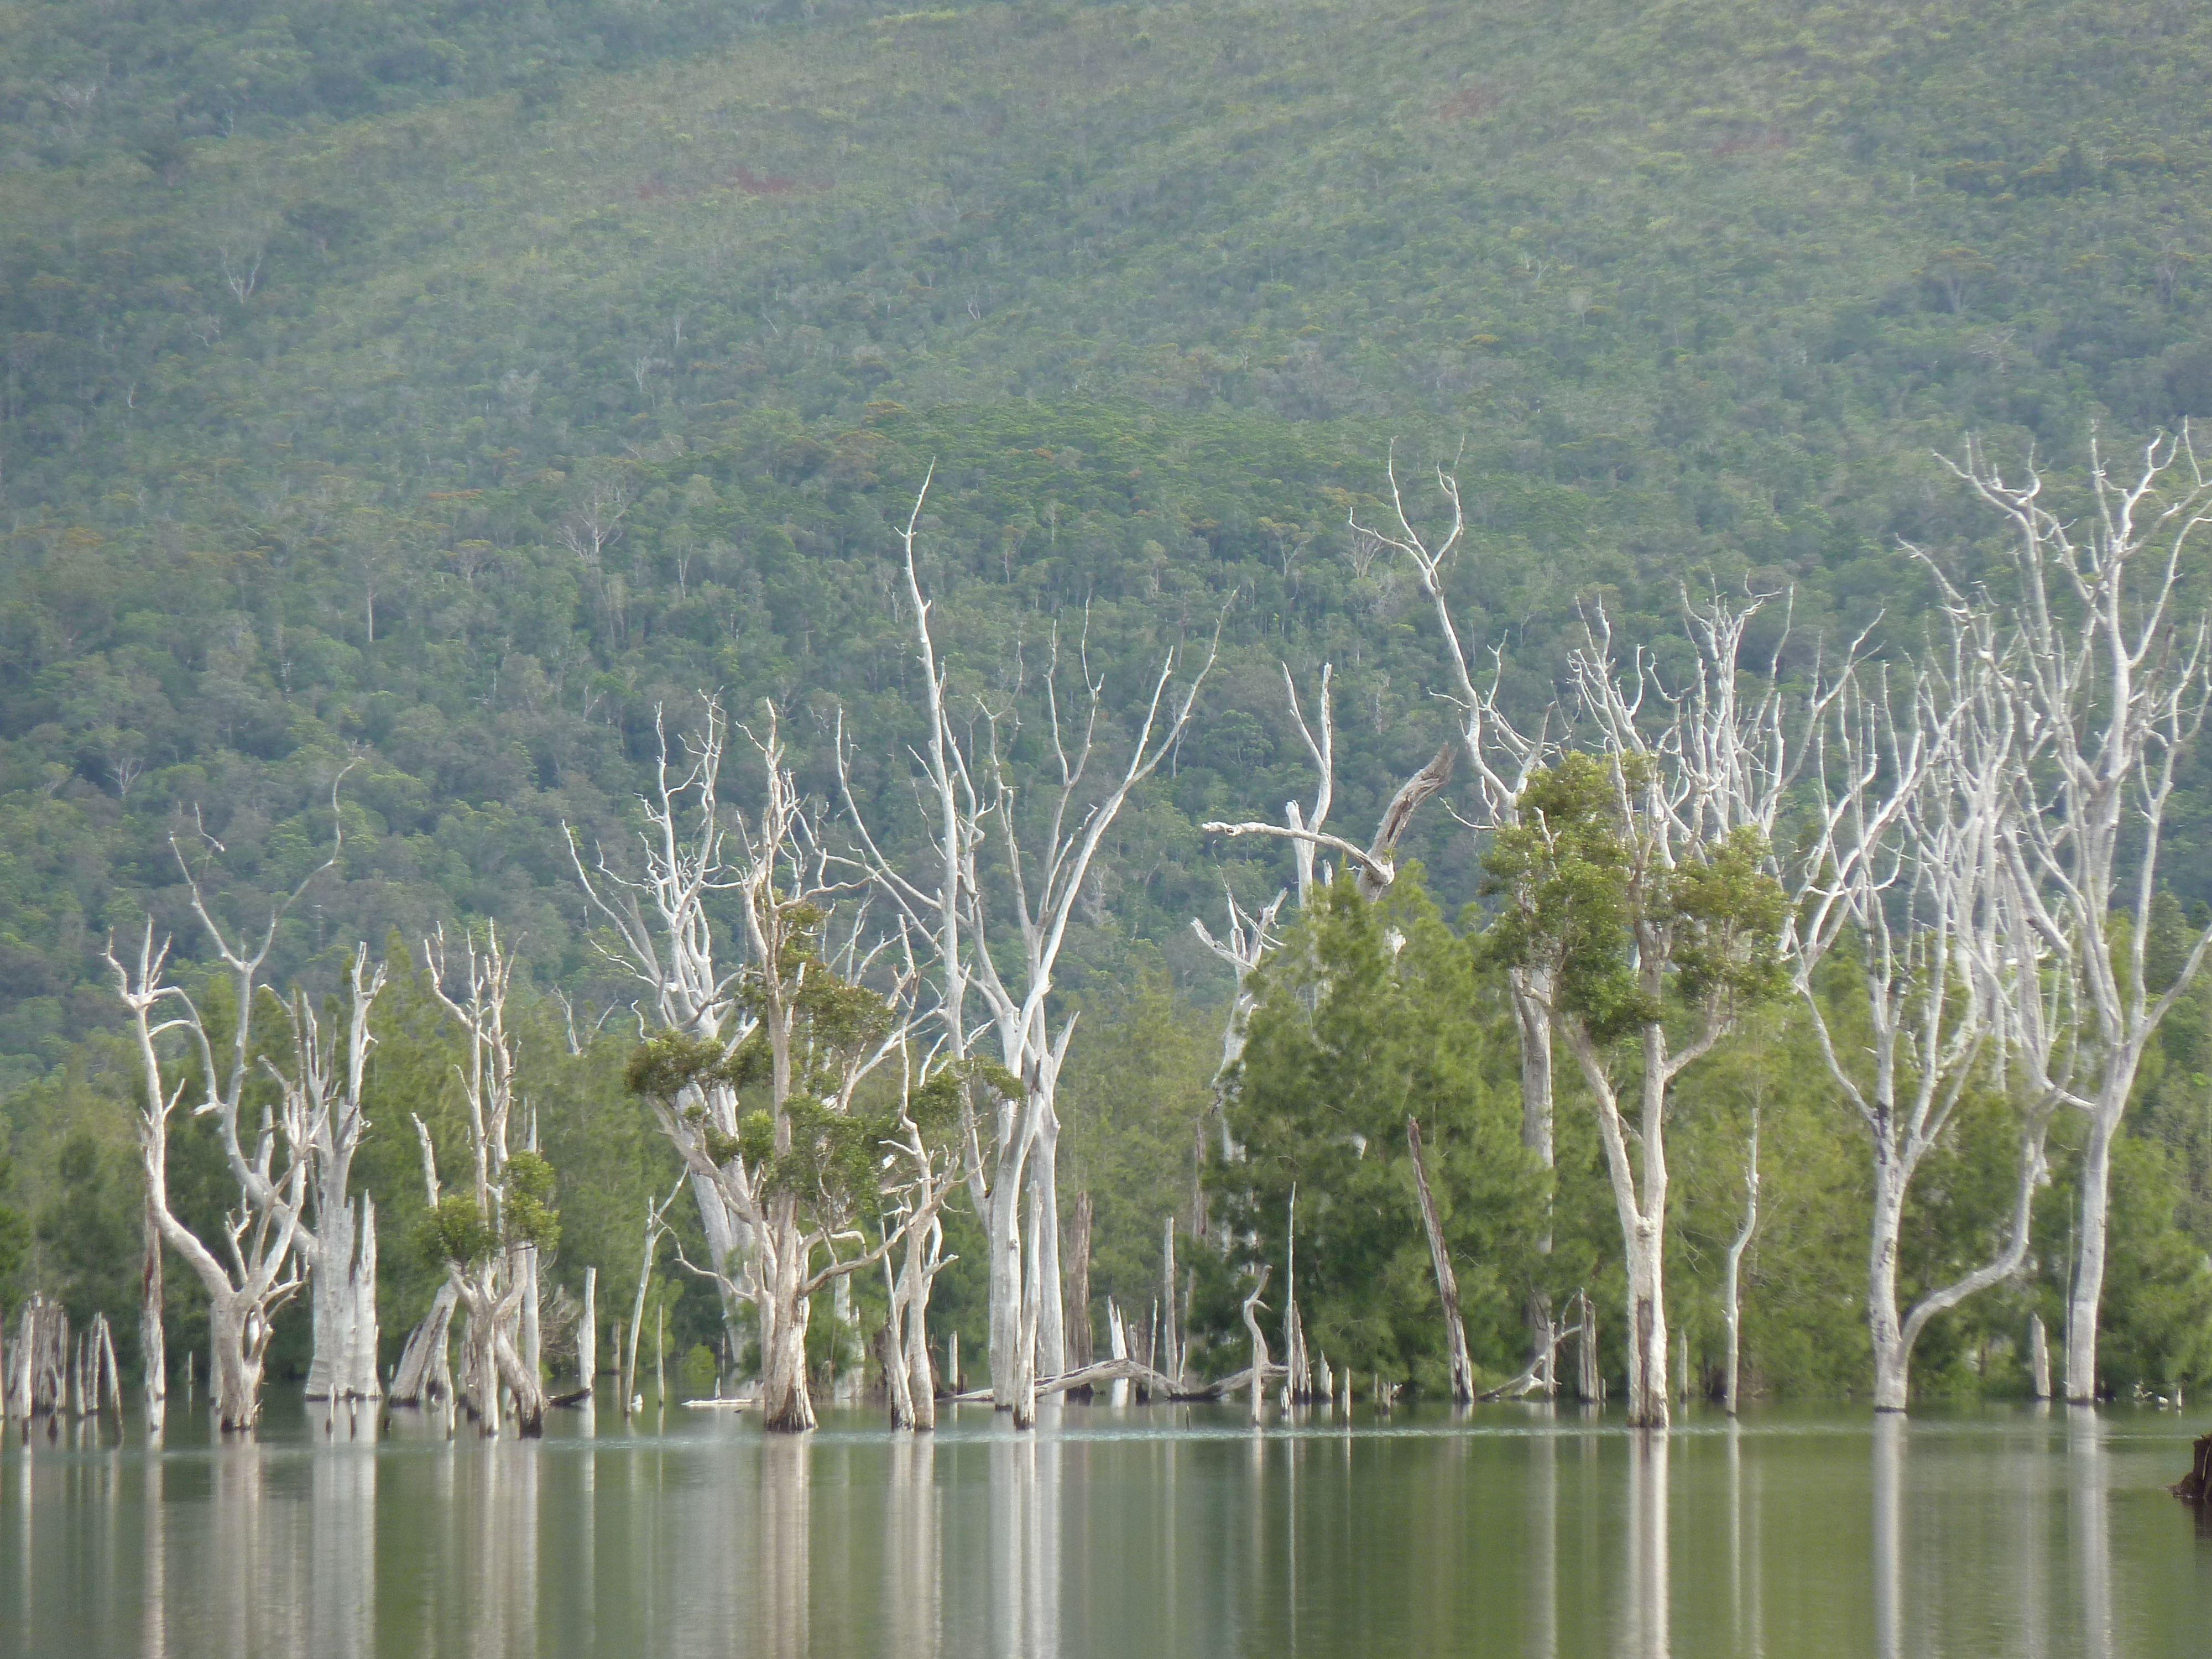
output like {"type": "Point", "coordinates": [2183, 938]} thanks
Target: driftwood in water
{"type": "Point", "coordinates": [1540, 1369]}
{"type": "Point", "coordinates": [2195, 1486]}
{"type": "Point", "coordinates": [1155, 1382]}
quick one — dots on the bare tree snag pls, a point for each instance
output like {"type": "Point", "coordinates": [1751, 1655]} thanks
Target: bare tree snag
{"type": "Point", "coordinates": [587, 1336]}
{"type": "Point", "coordinates": [261, 1271]}
{"type": "Point", "coordinates": [420, 1378]}
{"type": "Point", "coordinates": [1501, 757]}
{"type": "Point", "coordinates": [2110, 685]}
{"type": "Point", "coordinates": [1732, 1271]}
{"type": "Point", "coordinates": [1903, 868]}
{"type": "Point", "coordinates": [488, 1233]}
{"type": "Point", "coordinates": [1259, 1373]}
{"type": "Point", "coordinates": [1028, 873]}
{"type": "Point", "coordinates": [322, 1088]}
{"type": "Point", "coordinates": [1462, 1367]}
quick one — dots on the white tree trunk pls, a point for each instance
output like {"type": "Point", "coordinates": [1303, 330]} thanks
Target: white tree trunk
{"type": "Point", "coordinates": [1044, 1239]}
{"type": "Point", "coordinates": [1462, 1367]}
{"type": "Point", "coordinates": [2038, 1356]}
{"type": "Point", "coordinates": [587, 1335]}
{"type": "Point", "coordinates": [152, 1343]}
{"type": "Point", "coordinates": [1732, 1281]}
{"type": "Point", "coordinates": [1891, 1359]}
{"type": "Point", "coordinates": [2087, 1292]}
{"type": "Point", "coordinates": [238, 1337]}
{"type": "Point", "coordinates": [422, 1362]}
{"type": "Point", "coordinates": [1647, 1326]}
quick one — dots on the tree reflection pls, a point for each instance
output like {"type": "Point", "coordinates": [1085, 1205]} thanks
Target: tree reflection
{"type": "Point", "coordinates": [342, 1571]}
{"type": "Point", "coordinates": [1025, 1547]}
{"type": "Point", "coordinates": [1889, 1430]}
{"type": "Point", "coordinates": [1645, 1611]}
{"type": "Point", "coordinates": [914, 1584]}
{"type": "Point", "coordinates": [785, 1541]}
{"type": "Point", "coordinates": [504, 1608]}
{"type": "Point", "coordinates": [2091, 1525]}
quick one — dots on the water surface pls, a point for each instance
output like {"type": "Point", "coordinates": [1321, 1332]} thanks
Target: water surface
{"type": "Point", "coordinates": [1511, 1531]}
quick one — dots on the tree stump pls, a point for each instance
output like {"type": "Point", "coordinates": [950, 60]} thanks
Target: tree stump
{"type": "Point", "coordinates": [2195, 1486]}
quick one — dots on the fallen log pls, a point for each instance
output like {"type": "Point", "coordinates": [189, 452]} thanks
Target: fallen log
{"type": "Point", "coordinates": [1533, 1378]}
{"type": "Point", "coordinates": [1158, 1383]}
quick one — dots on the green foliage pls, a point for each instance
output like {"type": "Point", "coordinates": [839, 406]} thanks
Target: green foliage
{"type": "Point", "coordinates": [327, 326]}
{"type": "Point", "coordinates": [456, 1231]}
{"type": "Point", "coordinates": [14, 1228]}
{"type": "Point", "coordinates": [1567, 875]}
{"type": "Point", "coordinates": [1586, 897]}
{"type": "Point", "coordinates": [1352, 1036]}
{"type": "Point", "coordinates": [525, 1206]}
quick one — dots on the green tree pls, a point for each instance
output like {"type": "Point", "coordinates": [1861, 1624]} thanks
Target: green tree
{"type": "Point", "coordinates": [1654, 942]}
{"type": "Point", "coordinates": [1371, 1014]}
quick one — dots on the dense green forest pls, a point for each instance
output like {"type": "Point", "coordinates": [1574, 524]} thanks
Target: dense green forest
{"type": "Point", "coordinates": [445, 388]}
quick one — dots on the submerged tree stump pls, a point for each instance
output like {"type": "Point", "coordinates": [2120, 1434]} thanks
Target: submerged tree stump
{"type": "Point", "coordinates": [2195, 1486]}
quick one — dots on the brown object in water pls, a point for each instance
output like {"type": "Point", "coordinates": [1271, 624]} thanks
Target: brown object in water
{"type": "Point", "coordinates": [2195, 1486]}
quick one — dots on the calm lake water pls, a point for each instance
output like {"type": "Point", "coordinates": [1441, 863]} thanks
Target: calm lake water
{"type": "Point", "coordinates": [1511, 1532]}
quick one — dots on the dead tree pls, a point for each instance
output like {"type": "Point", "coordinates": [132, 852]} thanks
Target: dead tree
{"type": "Point", "coordinates": [1904, 871]}
{"type": "Point", "coordinates": [925, 1152]}
{"type": "Point", "coordinates": [322, 1093]}
{"type": "Point", "coordinates": [1732, 1268]}
{"type": "Point", "coordinates": [664, 938]}
{"type": "Point", "coordinates": [424, 1374]}
{"type": "Point", "coordinates": [1501, 757]}
{"type": "Point", "coordinates": [489, 1233]}
{"type": "Point", "coordinates": [1455, 1353]}
{"type": "Point", "coordinates": [991, 901]}
{"type": "Point", "coordinates": [2110, 682]}
{"type": "Point", "coordinates": [258, 1271]}
{"type": "Point", "coordinates": [1638, 882]}
{"type": "Point", "coordinates": [758, 1095]}
{"type": "Point", "coordinates": [36, 1379]}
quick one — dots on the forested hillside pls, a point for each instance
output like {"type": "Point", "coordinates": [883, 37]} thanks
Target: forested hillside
{"type": "Point", "coordinates": [445, 388]}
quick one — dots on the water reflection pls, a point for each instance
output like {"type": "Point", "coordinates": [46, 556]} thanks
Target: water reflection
{"type": "Point", "coordinates": [1889, 1430]}
{"type": "Point", "coordinates": [1111, 1534]}
{"type": "Point", "coordinates": [1024, 1527]}
{"type": "Point", "coordinates": [914, 1577]}
{"type": "Point", "coordinates": [1542, 1616]}
{"type": "Point", "coordinates": [2087, 1507]}
{"type": "Point", "coordinates": [342, 1528]}
{"type": "Point", "coordinates": [786, 1542]}
{"type": "Point", "coordinates": [1644, 1602]}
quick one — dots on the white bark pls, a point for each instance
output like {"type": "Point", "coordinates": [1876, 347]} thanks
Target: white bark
{"type": "Point", "coordinates": [1501, 757]}
{"type": "Point", "coordinates": [587, 1335]}
{"type": "Point", "coordinates": [1461, 1367]}
{"type": "Point", "coordinates": [970, 908]}
{"type": "Point", "coordinates": [153, 1343]}
{"type": "Point", "coordinates": [492, 1286]}
{"type": "Point", "coordinates": [422, 1371]}
{"type": "Point", "coordinates": [1905, 865]}
{"type": "Point", "coordinates": [322, 1087]}
{"type": "Point", "coordinates": [775, 875]}
{"type": "Point", "coordinates": [2111, 686]}
{"type": "Point", "coordinates": [1732, 1274]}
{"type": "Point", "coordinates": [258, 1271]}
{"type": "Point", "coordinates": [1259, 1407]}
